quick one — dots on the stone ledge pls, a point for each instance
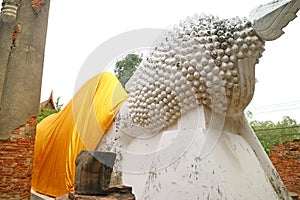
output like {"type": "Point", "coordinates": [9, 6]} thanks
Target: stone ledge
{"type": "Point", "coordinates": [117, 192]}
{"type": "Point", "coordinates": [37, 196]}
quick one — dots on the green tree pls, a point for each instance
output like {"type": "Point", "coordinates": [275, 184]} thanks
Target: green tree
{"type": "Point", "coordinates": [125, 68]}
{"type": "Point", "coordinates": [46, 111]}
{"type": "Point", "coordinates": [270, 133]}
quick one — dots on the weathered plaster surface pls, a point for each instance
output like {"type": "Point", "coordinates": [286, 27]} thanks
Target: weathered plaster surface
{"type": "Point", "coordinates": [21, 65]}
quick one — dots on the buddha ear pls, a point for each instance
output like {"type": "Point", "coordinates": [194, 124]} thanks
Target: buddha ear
{"type": "Point", "coordinates": [269, 19]}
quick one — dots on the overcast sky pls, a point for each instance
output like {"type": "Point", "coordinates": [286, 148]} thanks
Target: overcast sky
{"type": "Point", "coordinates": [76, 28]}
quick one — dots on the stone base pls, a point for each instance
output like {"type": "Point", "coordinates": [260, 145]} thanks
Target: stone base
{"type": "Point", "coordinates": [117, 192]}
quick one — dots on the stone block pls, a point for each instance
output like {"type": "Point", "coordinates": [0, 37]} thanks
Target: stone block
{"type": "Point", "coordinates": [93, 172]}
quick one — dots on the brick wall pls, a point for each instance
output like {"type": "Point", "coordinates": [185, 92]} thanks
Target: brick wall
{"type": "Point", "coordinates": [16, 155]}
{"type": "Point", "coordinates": [286, 159]}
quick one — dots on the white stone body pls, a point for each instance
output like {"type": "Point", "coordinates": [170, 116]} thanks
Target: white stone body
{"type": "Point", "coordinates": [170, 165]}
{"type": "Point", "coordinates": [230, 171]}
{"type": "Point", "coordinates": [176, 164]}
{"type": "Point", "coordinates": [182, 134]}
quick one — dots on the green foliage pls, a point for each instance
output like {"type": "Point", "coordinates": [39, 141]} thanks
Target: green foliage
{"type": "Point", "coordinates": [46, 111]}
{"type": "Point", "coordinates": [125, 68]}
{"type": "Point", "coordinates": [249, 114]}
{"type": "Point", "coordinates": [58, 106]}
{"type": "Point", "coordinates": [270, 133]}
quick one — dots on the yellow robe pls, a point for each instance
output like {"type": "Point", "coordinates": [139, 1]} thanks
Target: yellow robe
{"type": "Point", "coordinates": [80, 125]}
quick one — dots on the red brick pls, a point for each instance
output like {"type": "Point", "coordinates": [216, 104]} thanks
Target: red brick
{"type": "Point", "coordinates": [286, 159]}
{"type": "Point", "coordinates": [16, 155]}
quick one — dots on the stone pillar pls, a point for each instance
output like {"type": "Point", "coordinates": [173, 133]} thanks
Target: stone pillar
{"type": "Point", "coordinates": [23, 26]}
{"type": "Point", "coordinates": [22, 46]}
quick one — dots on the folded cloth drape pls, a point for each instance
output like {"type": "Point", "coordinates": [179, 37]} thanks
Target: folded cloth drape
{"type": "Point", "coordinates": [80, 125]}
